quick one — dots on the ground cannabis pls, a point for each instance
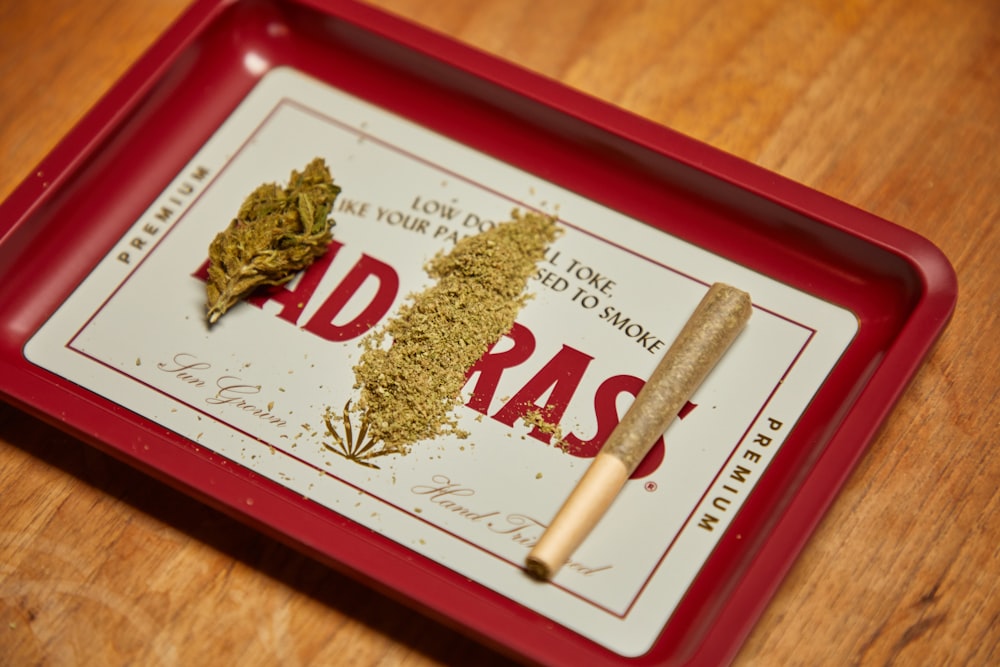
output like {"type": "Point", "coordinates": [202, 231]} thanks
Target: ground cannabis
{"type": "Point", "coordinates": [278, 232]}
{"type": "Point", "coordinates": [412, 370]}
{"type": "Point", "coordinates": [536, 419]}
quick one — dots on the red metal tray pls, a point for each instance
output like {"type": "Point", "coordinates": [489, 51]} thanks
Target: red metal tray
{"type": "Point", "coordinates": [77, 211]}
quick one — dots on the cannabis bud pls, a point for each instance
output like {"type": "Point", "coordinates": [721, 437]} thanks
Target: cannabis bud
{"type": "Point", "coordinates": [278, 232]}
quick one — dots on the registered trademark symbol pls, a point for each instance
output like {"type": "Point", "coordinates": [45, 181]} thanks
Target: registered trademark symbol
{"type": "Point", "coordinates": [650, 486]}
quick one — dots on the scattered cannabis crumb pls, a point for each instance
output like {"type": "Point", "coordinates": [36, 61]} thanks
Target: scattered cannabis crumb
{"type": "Point", "coordinates": [278, 232]}
{"type": "Point", "coordinates": [536, 419]}
{"type": "Point", "coordinates": [411, 372]}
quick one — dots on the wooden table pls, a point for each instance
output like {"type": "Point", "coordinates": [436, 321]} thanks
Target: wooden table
{"type": "Point", "coordinates": [893, 106]}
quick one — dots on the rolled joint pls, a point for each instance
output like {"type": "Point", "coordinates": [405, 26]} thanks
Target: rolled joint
{"type": "Point", "coordinates": [704, 339]}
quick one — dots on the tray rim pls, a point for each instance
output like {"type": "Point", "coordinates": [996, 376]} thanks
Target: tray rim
{"type": "Point", "coordinates": [806, 508]}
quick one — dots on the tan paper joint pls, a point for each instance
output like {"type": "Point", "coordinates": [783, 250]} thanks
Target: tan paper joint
{"type": "Point", "coordinates": [708, 333]}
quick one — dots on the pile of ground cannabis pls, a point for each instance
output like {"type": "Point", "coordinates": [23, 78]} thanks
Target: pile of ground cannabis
{"type": "Point", "coordinates": [412, 370]}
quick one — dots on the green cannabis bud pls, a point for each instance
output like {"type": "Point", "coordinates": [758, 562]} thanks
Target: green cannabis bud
{"type": "Point", "coordinates": [278, 232]}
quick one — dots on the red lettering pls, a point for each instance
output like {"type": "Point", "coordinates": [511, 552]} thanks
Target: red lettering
{"type": "Point", "coordinates": [559, 378]}
{"type": "Point", "coordinates": [366, 268]}
{"type": "Point", "coordinates": [202, 272]}
{"type": "Point", "coordinates": [292, 296]}
{"type": "Point", "coordinates": [492, 365]}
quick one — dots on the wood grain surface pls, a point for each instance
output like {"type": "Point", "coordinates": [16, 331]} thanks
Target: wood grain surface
{"type": "Point", "coordinates": [893, 106]}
